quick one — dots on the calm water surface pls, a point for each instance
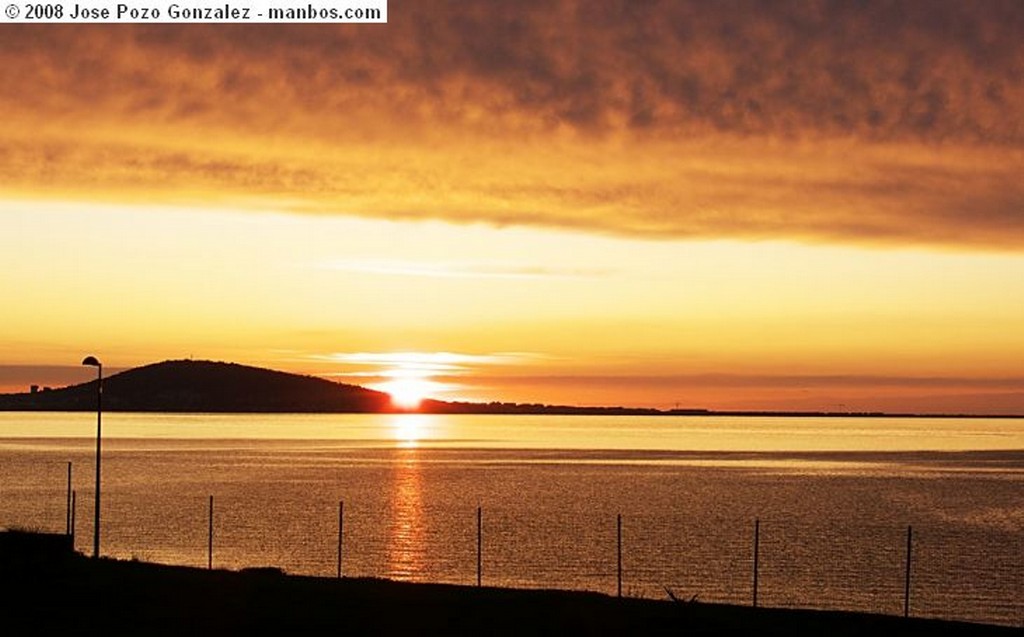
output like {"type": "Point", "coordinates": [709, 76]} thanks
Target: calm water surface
{"type": "Point", "coordinates": [834, 498]}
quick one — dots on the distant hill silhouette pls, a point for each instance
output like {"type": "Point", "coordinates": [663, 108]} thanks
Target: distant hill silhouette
{"type": "Point", "coordinates": [205, 386]}
{"type": "Point", "coordinates": [215, 387]}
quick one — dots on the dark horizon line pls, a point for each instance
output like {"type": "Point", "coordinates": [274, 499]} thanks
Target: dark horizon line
{"type": "Point", "coordinates": [521, 409]}
{"type": "Point", "coordinates": [22, 402]}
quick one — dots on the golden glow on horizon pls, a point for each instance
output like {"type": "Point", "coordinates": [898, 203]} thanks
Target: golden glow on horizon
{"type": "Point", "coordinates": [587, 306]}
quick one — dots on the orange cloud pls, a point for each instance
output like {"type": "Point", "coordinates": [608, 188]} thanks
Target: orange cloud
{"type": "Point", "coordinates": [854, 122]}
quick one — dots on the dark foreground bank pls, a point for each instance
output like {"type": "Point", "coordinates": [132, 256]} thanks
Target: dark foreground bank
{"type": "Point", "coordinates": [65, 593]}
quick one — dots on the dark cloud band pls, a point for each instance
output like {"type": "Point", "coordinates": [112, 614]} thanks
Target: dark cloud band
{"type": "Point", "coordinates": [871, 121]}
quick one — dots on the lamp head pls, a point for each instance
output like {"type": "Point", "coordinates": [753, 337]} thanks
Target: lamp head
{"type": "Point", "coordinates": [92, 361]}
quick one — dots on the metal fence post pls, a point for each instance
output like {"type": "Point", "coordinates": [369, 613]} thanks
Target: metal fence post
{"type": "Point", "coordinates": [341, 529]}
{"type": "Point", "coordinates": [71, 524]}
{"type": "Point", "coordinates": [757, 542]}
{"type": "Point", "coordinates": [906, 577]}
{"type": "Point", "coordinates": [68, 512]}
{"type": "Point", "coordinates": [209, 545]}
{"type": "Point", "coordinates": [618, 534]}
{"type": "Point", "coordinates": [479, 545]}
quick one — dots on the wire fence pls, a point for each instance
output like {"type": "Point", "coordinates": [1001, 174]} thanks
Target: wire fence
{"type": "Point", "coordinates": [971, 573]}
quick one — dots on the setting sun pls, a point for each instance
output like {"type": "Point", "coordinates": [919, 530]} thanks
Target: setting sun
{"type": "Point", "coordinates": [408, 377]}
{"type": "Point", "coordinates": [407, 393]}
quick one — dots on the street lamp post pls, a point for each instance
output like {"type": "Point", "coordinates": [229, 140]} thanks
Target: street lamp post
{"type": "Point", "coordinates": [92, 361]}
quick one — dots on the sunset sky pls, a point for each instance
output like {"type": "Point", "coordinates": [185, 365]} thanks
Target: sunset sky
{"type": "Point", "coordinates": [729, 205]}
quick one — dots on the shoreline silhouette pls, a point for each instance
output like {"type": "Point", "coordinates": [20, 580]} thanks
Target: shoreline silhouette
{"type": "Point", "coordinates": [193, 386]}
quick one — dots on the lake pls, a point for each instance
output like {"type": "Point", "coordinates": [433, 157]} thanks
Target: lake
{"type": "Point", "coordinates": [833, 498]}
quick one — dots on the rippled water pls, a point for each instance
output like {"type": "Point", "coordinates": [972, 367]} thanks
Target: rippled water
{"type": "Point", "coordinates": [834, 498]}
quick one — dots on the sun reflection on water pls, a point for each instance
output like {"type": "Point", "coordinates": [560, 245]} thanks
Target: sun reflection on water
{"type": "Point", "coordinates": [406, 532]}
{"type": "Point", "coordinates": [409, 429]}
